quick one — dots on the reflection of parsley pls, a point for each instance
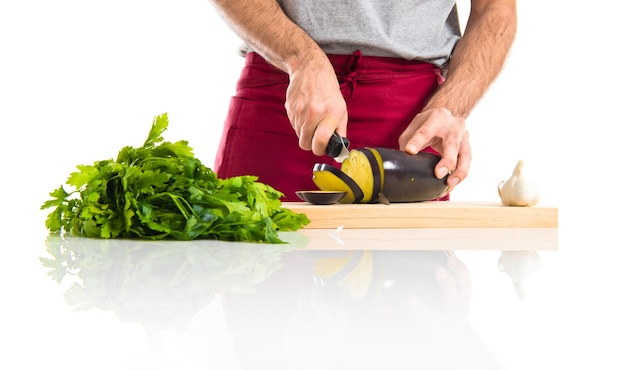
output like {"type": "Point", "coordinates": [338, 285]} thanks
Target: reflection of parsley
{"type": "Point", "coordinates": [160, 284]}
{"type": "Point", "coordinates": [160, 190]}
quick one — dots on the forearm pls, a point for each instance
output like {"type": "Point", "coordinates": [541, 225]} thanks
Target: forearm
{"type": "Point", "coordinates": [263, 25]}
{"type": "Point", "coordinates": [478, 58]}
{"type": "Point", "coordinates": [313, 100]}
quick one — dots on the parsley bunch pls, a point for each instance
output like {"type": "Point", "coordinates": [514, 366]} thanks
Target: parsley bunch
{"type": "Point", "coordinates": [160, 190]}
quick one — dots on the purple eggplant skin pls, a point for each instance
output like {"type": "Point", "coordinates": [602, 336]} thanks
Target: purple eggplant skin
{"type": "Point", "coordinates": [410, 177]}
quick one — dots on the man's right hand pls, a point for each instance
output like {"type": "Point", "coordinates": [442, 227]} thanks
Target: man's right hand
{"type": "Point", "coordinates": [315, 105]}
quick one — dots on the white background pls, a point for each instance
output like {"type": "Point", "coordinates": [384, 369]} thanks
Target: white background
{"type": "Point", "coordinates": [79, 79]}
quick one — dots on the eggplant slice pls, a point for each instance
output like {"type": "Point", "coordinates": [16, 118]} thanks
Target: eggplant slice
{"type": "Point", "coordinates": [328, 178]}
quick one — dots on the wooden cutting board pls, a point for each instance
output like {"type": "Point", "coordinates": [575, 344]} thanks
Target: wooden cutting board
{"type": "Point", "coordinates": [452, 214]}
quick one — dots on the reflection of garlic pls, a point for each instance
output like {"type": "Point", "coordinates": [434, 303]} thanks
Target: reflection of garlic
{"type": "Point", "coordinates": [519, 265]}
{"type": "Point", "coordinates": [518, 191]}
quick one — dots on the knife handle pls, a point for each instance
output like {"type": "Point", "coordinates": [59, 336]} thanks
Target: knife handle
{"type": "Point", "coordinates": [336, 144]}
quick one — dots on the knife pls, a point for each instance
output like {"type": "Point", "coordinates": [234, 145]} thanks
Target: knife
{"type": "Point", "coordinates": [338, 147]}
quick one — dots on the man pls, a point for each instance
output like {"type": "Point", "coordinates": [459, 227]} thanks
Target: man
{"type": "Point", "coordinates": [370, 70]}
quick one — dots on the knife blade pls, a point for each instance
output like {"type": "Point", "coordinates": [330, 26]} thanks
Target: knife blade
{"type": "Point", "coordinates": [338, 147]}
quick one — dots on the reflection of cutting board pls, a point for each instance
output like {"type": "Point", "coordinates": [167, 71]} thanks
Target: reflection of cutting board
{"type": "Point", "coordinates": [426, 215]}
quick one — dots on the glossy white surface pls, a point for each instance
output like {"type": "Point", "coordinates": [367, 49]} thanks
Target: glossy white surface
{"type": "Point", "coordinates": [74, 89]}
{"type": "Point", "coordinates": [217, 305]}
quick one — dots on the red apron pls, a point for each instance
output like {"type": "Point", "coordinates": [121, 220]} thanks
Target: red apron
{"type": "Point", "coordinates": [383, 95]}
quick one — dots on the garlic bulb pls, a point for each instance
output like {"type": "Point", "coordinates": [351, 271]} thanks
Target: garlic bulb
{"type": "Point", "coordinates": [518, 191]}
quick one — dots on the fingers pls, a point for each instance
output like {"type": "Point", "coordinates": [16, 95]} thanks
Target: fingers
{"type": "Point", "coordinates": [441, 130]}
{"type": "Point", "coordinates": [464, 159]}
{"type": "Point", "coordinates": [412, 144]}
{"type": "Point", "coordinates": [448, 162]}
{"type": "Point", "coordinates": [314, 132]}
{"type": "Point", "coordinates": [316, 137]}
{"type": "Point", "coordinates": [428, 129]}
{"type": "Point", "coordinates": [300, 114]}
{"type": "Point", "coordinates": [323, 131]}
{"type": "Point", "coordinates": [455, 160]}
{"type": "Point", "coordinates": [316, 107]}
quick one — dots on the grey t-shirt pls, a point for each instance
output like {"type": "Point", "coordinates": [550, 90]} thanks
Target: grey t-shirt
{"type": "Point", "coordinates": [425, 30]}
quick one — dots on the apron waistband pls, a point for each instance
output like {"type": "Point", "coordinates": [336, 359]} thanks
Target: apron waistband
{"type": "Point", "coordinates": [356, 66]}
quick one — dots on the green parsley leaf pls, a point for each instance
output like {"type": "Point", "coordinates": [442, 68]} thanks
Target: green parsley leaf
{"type": "Point", "coordinates": [162, 191]}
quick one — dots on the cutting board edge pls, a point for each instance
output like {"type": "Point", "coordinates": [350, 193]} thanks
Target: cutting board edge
{"type": "Point", "coordinates": [427, 215]}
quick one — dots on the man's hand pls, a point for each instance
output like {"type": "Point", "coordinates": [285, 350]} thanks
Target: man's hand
{"type": "Point", "coordinates": [315, 105]}
{"type": "Point", "coordinates": [445, 133]}
{"type": "Point", "coordinates": [314, 102]}
{"type": "Point", "coordinates": [476, 61]}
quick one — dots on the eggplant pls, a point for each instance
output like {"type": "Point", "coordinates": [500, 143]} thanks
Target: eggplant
{"type": "Point", "coordinates": [373, 175]}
